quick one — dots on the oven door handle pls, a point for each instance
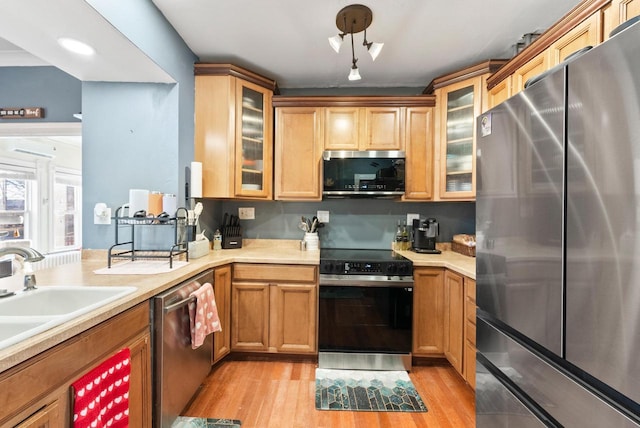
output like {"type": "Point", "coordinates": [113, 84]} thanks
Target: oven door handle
{"type": "Point", "coordinates": [365, 281]}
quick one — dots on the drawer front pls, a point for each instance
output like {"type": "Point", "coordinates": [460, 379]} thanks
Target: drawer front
{"type": "Point", "coordinates": [278, 273]}
{"type": "Point", "coordinates": [470, 286]}
{"type": "Point", "coordinates": [470, 332]}
{"type": "Point", "coordinates": [470, 310]}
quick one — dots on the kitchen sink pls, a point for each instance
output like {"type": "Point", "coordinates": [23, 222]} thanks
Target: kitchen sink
{"type": "Point", "coordinates": [20, 328]}
{"type": "Point", "coordinates": [62, 300]}
{"type": "Point", "coordinates": [28, 313]}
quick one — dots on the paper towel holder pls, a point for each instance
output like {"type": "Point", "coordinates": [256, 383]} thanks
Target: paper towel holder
{"type": "Point", "coordinates": [189, 183]}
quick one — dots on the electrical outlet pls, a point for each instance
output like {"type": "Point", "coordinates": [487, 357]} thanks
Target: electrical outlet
{"type": "Point", "coordinates": [101, 214]}
{"type": "Point", "coordinates": [247, 213]}
{"type": "Point", "coordinates": [323, 216]}
{"type": "Point", "coordinates": [411, 217]}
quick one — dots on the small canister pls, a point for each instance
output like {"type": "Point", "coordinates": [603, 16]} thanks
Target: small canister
{"type": "Point", "coordinates": [217, 240]}
{"type": "Point", "coordinates": [169, 204]}
{"type": "Point", "coordinates": [312, 241]}
{"type": "Point", "coordinates": [155, 204]}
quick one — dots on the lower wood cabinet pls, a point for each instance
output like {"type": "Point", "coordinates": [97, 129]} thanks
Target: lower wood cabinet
{"type": "Point", "coordinates": [222, 293]}
{"type": "Point", "coordinates": [444, 318]}
{"type": "Point", "coordinates": [428, 312]}
{"type": "Point", "coordinates": [469, 370]}
{"type": "Point", "coordinates": [36, 393]}
{"type": "Point", "coordinates": [453, 319]}
{"type": "Point", "coordinates": [47, 417]}
{"type": "Point", "coordinates": [274, 308]}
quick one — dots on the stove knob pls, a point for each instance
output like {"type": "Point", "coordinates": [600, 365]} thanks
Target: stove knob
{"type": "Point", "coordinates": [403, 269]}
{"type": "Point", "coordinates": [327, 267]}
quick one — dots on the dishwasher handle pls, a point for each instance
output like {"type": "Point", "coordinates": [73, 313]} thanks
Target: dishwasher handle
{"type": "Point", "coordinates": [178, 305]}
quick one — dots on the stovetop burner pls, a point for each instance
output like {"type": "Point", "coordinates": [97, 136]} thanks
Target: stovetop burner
{"type": "Point", "coordinates": [350, 261]}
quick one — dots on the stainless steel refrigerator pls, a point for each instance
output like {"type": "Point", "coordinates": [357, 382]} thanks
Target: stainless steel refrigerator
{"type": "Point", "coordinates": [558, 246]}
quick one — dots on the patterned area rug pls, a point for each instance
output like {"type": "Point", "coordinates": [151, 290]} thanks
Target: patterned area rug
{"type": "Point", "coordinates": [189, 422]}
{"type": "Point", "coordinates": [360, 390]}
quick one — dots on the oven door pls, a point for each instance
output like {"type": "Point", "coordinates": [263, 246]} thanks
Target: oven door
{"type": "Point", "coordinates": [364, 324]}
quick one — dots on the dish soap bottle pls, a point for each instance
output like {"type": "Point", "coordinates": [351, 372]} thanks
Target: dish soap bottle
{"type": "Point", "coordinates": [397, 245]}
{"type": "Point", "coordinates": [217, 240]}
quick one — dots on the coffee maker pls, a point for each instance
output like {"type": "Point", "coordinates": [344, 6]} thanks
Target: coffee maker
{"type": "Point", "coordinates": [424, 236]}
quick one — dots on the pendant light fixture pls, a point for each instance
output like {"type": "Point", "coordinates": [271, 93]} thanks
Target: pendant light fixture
{"type": "Point", "coordinates": [354, 19]}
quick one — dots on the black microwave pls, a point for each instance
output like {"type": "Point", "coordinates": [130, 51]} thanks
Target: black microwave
{"type": "Point", "coordinates": [369, 173]}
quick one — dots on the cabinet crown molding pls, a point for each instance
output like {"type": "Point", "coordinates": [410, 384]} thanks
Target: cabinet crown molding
{"type": "Point", "coordinates": [574, 17]}
{"type": "Point", "coordinates": [488, 66]}
{"type": "Point", "coordinates": [210, 69]}
{"type": "Point", "coordinates": [354, 101]}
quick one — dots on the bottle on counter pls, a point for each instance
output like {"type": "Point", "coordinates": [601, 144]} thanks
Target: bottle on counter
{"type": "Point", "coordinates": [405, 236]}
{"type": "Point", "coordinates": [397, 244]}
{"type": "Point", "coordinates": [217, 240]}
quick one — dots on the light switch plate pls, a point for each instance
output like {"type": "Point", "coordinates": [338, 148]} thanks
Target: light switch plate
{"type": "Point", "coordinates": [323, 216]}
{"type": "Point", "coordinates": [411, 217]}
{"type": "Point", "coordinates": [247, 213]}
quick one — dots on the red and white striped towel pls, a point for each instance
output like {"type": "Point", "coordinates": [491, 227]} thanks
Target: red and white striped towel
{"type": "Point", "coordinates": [203, 315]}
{"type": "Point", "coordinates": [101, 396]}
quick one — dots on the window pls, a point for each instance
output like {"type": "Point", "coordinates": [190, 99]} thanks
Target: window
{"type": "Point", "coordinates": [16, 197]}
{"type": "Point", "coordinates": [67, 208]}
{"type": "Point", "coordinates": [25, 211]}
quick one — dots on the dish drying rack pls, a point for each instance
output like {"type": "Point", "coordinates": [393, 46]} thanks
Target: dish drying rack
{"type": "Point", "coordinates": [128, 250]}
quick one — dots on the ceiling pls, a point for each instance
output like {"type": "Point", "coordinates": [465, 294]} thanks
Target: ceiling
{"type": "Point", "coordinates": [287, 40]}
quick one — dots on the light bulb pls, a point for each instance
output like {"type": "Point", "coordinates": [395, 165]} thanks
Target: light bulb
{"type": "Point", "coordinates": [354, 74]}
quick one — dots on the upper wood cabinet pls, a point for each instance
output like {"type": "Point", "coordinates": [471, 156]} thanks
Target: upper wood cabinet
{"type": "Point", "coordinates": [587, 24]}
{"type": "Point", "coordinates": [233, 132]}
{"type": "Point", "coordinates": [537, 65]}
{"type": "Point", "coordinates": [618, 12]}
{"type": "Point", "coordinates": [342, 128]}
{"type": "Point", "coordinates": [298, 153]}
{"type": "Point", "coordinates": [458, 106]}
{"type": "Point", "coordinates": [460, 97]}
{"type": "Point", "coordinates": [382, 129]}
{"type": "Point", "coordinates": [305, 126]}
{"type": "Point", "coordinates": [419, 149]}
{"type": "Point", "coordinates": [363, 128]}
{"type": "Point", "coordinates": [587, 33]}
{"type": "Point", "coordinates": [498, 93]}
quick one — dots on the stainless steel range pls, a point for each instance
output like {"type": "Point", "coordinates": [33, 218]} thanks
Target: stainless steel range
{"type": "Point", "coordinates": [366, 308]}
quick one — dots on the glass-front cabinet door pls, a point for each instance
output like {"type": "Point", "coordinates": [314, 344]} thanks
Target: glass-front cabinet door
{"type": "Point", "coordinates": [254, 152]}
{"type": "Point", "coordinates": [459, 107]}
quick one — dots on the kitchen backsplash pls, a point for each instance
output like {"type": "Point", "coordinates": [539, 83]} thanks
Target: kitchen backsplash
{"type": "Point", "coordinates": [353, 223]}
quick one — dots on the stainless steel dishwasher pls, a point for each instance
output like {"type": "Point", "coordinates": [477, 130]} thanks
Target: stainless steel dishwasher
{"type": "Point", "coordinates": [178, 369]}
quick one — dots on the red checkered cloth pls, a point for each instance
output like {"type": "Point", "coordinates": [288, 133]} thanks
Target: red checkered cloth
{"type": "Point", "coordinates": [101, 396]}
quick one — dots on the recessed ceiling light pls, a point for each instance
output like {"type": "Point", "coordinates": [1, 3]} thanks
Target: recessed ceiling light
{"type": "Point", "coordinates": [76, 46]}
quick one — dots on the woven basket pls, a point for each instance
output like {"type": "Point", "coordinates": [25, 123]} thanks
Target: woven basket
{"type": "Point", "coordinates": [463, 249]}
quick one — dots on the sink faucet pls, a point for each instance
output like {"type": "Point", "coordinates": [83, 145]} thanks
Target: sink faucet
{"type": "Point", "coordinates": [29, 255]}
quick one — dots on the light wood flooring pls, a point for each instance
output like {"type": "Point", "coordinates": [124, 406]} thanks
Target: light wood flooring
{"type": "Point", "coordinates": [265, 393]}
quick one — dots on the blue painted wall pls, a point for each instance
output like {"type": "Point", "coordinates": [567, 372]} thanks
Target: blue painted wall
{"type": "Point", "coordinates": [48, 87]}
{"type": "Point", "coordinates": [137, 135]}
